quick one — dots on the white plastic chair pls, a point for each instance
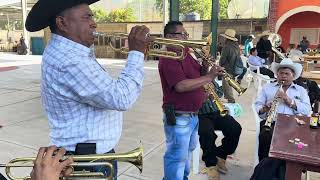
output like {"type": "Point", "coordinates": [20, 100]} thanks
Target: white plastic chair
{"type": "Point", "coordinates": [258, 78]}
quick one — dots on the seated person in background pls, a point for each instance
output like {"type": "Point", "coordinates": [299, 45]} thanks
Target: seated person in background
{"type": "Point", "coordinates": [257, 61]}
{"type": "Point", "coordinates": [293, 100]}
{"type": "Point", "coordinates": [209, 121]}
{"type": "Point", "coordinates": [291, 46]}
{"type": "Point", "coordinates": [296, 54]}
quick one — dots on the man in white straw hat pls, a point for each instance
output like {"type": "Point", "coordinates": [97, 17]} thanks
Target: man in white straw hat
{"type": "Point", "coordinates": [264, 46]}
{"type": "Point", "coordinates": [229, 56]}
{"type": "Point", "coordinates": [294, 99]}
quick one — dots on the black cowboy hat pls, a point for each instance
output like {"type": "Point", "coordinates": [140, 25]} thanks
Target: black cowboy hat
{"type": "Point", "coordinates": [41, 13]}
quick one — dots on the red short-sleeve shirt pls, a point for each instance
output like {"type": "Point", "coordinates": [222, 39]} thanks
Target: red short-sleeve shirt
{"type": "Point", "coordinates": [173, 71]}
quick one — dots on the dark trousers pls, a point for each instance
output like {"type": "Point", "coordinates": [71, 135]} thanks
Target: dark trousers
{"type": "Point", "coordinates": [264, 140]}
{"type": "Point", "coordinates": [231, 130]}
{"type": "Point", "coordinates": [265, 71]}
{"type": "Point", "coordinates": [104, 169]}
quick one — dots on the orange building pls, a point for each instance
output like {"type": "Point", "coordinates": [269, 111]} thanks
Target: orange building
{"type": "Point", "coordinates": [293, 19]}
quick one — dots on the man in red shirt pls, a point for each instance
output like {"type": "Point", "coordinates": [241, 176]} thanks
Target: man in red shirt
{"type": "Point", "coordinates": [183, 95]}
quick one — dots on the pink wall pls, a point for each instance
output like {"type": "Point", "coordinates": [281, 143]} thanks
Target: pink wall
{"type": "Point", "coordinates": [298, 21]}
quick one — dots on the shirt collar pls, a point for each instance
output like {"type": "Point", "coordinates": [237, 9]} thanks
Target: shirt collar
{"type": "Point", "coordinates": [293, 85]}
{"type": "Point", "coordinates": [70, 45]}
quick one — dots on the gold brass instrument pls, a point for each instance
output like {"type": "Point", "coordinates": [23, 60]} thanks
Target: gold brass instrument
{"type": "Point", "coordinates": [134, 157]}
{"type": "Point", "coordinates": [209, 87]}
{"type": "Point", "coordinates": [311, 52]}
{"type": "Point", "coordinates": [272, 114]}
{"type": "Point", "coordinates": [234, 84]}
{"type": "Point", "coordinates": [276, 41]}
{"type": "Point", "coordinates": [151, 51]}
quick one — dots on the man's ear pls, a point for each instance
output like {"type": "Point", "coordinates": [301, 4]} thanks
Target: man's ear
{"type": "Point", "coordinates": [61, 24]}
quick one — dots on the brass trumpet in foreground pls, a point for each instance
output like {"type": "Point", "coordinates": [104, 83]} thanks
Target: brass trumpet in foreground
{"type": "Point", "coordinates": [153, 47]}
{"type": "Point", "coordinates": [134, 157]}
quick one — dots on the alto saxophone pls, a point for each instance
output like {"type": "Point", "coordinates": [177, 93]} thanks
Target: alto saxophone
{"type": "Point", "coordinates": [272, 114]}
{"type": "Point", "coordinates": [209, 88]}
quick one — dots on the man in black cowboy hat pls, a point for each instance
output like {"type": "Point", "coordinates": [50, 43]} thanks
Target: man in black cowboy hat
{"type": "Point", "coordinates": [83, 103]}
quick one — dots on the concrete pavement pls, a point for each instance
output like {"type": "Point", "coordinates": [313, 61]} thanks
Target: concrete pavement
{"type": "Point", "coordinates": [25, 127]}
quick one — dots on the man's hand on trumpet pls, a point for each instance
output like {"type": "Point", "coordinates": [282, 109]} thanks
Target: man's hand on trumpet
{"type": "Point", "coordinates": [49, 167]}
{"type": "Point", "coordinates": [139, 38]}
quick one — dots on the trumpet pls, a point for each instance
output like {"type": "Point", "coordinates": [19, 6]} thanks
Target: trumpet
{"type": "Point", "coordinates": [152, 49]}
{"type": "Point", "coordinates": [134, 157]}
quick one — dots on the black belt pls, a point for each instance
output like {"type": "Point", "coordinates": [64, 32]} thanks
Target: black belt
{"type": "Point", "coordinates": [185, 114]}
{"type": "Point", "coordinates": [74, 153]}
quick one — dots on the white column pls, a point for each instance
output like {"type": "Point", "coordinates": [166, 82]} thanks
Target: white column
{"type": "Point", "coordinates": [24, 17]}
{"type": "Point", "coordinates": [165, 12]}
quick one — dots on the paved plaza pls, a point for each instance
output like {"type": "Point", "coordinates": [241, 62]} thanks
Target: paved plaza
{"type": "Point", "coordinates": [25, 127]}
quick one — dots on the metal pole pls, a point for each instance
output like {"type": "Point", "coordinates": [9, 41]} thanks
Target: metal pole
{"type": "Point", "coordinates": [165, 11]}
{"type": "Point", "coordinates": [24, 17]}
{"type": "Point", "coordinates": [214, 27]}
{"type": "Point", "coordinates": [174, 10]}
{"type": "Point", "coordinates": [251, 23]}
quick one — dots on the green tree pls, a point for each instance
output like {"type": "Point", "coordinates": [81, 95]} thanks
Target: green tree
{"type": "Point", "coordinates": [118, 15]}
{"type": "Point", "coordinates": [99, 14]}
{"type": "Point", "coordinates": [121, 15]}
{"type": "Point", "coordinates": [202, 7]}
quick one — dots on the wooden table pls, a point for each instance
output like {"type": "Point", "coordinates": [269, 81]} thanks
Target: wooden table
{"type": "Point", "coordinates": [307, 58]}
{"type": "Point", "coordinates": [297, 160]}
{"type": "Point", "coordinates": [312, 76]}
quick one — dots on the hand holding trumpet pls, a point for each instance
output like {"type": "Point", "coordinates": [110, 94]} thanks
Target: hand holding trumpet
{"type": "Point", "coordinates": [139, 38]}
{"type": "Point", "coordinates": [49, 167]}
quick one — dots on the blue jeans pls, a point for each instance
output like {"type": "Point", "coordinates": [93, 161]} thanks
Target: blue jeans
{"type": "Point", "coordinates": [181, 140]}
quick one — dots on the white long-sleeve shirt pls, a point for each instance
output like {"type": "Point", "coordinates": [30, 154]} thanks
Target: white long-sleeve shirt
{"type": "Point", "coordinates": [83, 103]}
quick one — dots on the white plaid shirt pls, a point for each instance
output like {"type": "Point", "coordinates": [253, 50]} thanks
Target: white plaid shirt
{"type": "Point", "coordinates": [81, 100]}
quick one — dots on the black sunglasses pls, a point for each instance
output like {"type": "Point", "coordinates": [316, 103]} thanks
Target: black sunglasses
{"type": "Point", "coordinates": [182, 33]}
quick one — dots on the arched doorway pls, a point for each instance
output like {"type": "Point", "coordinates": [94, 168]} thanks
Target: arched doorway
{"type": "Point", "coordinates": [298, 22]}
